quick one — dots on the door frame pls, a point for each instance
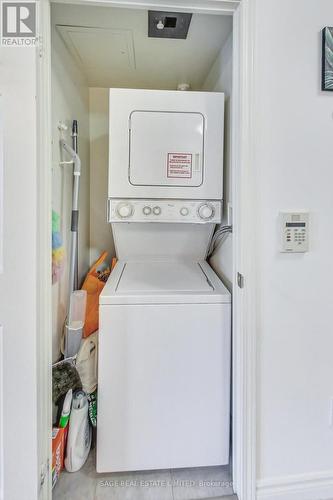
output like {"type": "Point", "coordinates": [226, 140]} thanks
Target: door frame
{"type": "Point", "coordinates": [44, 245]}
{"type": "Point", "coordinates": [244, 212]}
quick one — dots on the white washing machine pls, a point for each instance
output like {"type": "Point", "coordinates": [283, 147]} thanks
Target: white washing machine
{"type": "Point", "coordinates": [164, 347]}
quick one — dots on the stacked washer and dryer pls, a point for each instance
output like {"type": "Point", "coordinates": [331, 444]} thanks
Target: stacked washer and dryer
{"type": "Point", "coordinates": [165, 317]}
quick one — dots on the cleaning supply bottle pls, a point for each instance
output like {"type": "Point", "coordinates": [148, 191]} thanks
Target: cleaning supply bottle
{"type": "Point", "coordinates": [66, 409]}
{"type": "Point", "coordinates": [79, 434]}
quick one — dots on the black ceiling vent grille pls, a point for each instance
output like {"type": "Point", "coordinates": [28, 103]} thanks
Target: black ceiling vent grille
{"type": "Point", "coordinates": [168, 24]}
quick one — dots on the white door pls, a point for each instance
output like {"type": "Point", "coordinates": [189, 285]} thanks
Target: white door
{"type": "Point", "coordinates": [18, 297]}
{"type": "Point", "coordinates": [22, 461]}
{"type": "Point", "coordinates": [20, 413]}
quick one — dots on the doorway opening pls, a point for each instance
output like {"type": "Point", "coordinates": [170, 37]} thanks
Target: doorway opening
{"type": "Point", "coordinates": [93, 49]}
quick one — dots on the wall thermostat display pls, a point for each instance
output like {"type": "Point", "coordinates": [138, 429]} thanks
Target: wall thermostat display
{"type": "Point", "coordinates": [294, 231]}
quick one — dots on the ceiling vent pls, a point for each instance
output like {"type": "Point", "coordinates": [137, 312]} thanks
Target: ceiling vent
{"type": "Point", "coordinates": [168, 24]}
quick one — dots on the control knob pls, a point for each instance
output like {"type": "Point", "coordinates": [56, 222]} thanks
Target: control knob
{"type": "Point", "coordinates": [157, 210]}
{"type": "Point", "coordinates": [124, 210]}
{"type": "Point", "coordinates": [206, 211]}
{"type": "Point", "coordinates": [146, 210]}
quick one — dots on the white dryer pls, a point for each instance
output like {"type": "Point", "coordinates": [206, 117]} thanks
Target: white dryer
{"type": "Point", "coordinates": [164, 346]}
{"type": "Point", "coordinates": [166, 144]}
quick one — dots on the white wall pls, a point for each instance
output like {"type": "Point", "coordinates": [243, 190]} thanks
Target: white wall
{"type": "Point", "coordinates": [18, 283]}
{"type": "Point", "coordinates": [294, 158]}
{"type": "Point", "coordinates": [70, 100]}
{"type": "Point", "coordinates": [219, 79]}
{"type": "Point", "coordinates": [100, 231]}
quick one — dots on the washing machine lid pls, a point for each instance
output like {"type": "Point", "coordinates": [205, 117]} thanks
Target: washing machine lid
{"type": "Point", "coordinates": [163, 282]}
{"type": "Point", "coordinates": [155, 277]}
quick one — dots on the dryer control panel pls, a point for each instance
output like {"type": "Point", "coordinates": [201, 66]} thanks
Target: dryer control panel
{"type": "Point", "coordinates": [154, 210]}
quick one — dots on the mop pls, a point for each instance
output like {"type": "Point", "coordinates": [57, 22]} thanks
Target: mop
{"type": "Point", "coordinates": [66, 379]}
{"type": "Point", "coordinates": [76, 299]}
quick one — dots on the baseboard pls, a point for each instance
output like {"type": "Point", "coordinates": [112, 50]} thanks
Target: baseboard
{"type": "Point", "coordinates": [315, 486]}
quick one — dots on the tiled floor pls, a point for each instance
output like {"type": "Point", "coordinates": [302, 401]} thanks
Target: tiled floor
{"type": "Point", "coordinates": [180, 484]}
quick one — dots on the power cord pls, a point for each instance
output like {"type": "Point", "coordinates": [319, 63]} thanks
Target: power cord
{"type": "Point", "coordinates": [218, 238]}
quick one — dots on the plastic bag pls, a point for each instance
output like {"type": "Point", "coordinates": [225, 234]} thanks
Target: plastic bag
{"type": "Point", "coordinates": [86, 363]}
{"type": "Point", "coordinates": [93, 285]}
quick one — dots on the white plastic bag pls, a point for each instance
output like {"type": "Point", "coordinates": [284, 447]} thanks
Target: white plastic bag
{"type": "Point", "coordinates": [86, 363]}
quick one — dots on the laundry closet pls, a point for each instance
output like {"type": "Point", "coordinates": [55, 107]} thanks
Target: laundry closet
{"type": "Point", "coordinates": [141, 127]}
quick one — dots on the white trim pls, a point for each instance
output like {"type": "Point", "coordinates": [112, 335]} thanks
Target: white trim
{"type": "Point", "coordinates": [237, 333]}
{"type": "Point", "coordinates": [245, 300]}
{"type": "Point", "coordinates": [226, 7]}
{"type": "Point", "coordinates": [244, 416]}
{"type": "Point", "coordinates": [298, 487]}
{"type": "Point", "coordinates": [1, 180]}
{"type": "Point", "coordinates": [2, 497]}
{"type": "Point", "coordinates": [44, 245]}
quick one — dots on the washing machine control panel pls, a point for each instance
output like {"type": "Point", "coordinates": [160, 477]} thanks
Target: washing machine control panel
{"type": "Point", "coordinates": [150, 210]}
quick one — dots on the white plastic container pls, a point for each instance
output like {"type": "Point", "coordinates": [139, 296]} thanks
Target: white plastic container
{"type": "Point", "coordinates": [75, 322]}
{"type": "Point", "coordinates": [79, 434]}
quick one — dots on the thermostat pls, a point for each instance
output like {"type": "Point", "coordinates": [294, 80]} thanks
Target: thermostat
{"type": "Point", "coordinates": [294, 231]}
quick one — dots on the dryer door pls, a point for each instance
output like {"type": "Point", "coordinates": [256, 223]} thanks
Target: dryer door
{"type": "Point", "coordinates": [166, 148]}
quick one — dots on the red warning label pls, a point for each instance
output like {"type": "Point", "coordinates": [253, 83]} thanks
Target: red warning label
{"type": "Point", "coordinates": [180, 165]}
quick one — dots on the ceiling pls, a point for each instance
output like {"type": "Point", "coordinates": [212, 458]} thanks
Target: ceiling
{"type": "Point", "coordinates": [113, 50]}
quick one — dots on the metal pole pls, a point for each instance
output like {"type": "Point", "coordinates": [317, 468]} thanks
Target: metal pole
{"type": "Point", "coordinates": [75, 217]}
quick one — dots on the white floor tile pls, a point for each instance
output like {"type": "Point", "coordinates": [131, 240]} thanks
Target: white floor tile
{"type": "Point", "coordinates": [228, 497]}
{"type": "Point", "coordinates": [201, 482]}
{"type": "Point", "coordinates": [211, 483]}
{"type": "Point", "coordinates": [77, 485]}
{"type": "Point", "coordinates": [223, 497]}
{"type": "Point", "coordinates": [150, 485]}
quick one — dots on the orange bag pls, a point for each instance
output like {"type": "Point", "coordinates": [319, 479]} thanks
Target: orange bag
{"type": "Point", "coordinates": [93, 286]}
